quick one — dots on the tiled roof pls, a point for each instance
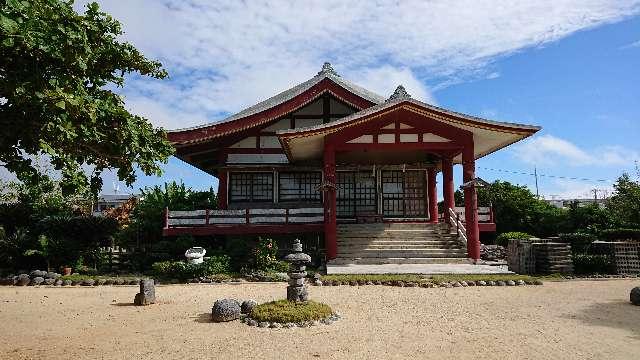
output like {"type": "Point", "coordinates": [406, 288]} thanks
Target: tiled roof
{"type": "Point", "coordinates": [327, 72]}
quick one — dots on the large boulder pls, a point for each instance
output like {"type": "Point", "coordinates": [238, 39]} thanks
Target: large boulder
{"type": "Point", "coordinates": [37, 280]}
{"type": "Point", "coordinates": [49, 281]}
{"type": "Point", "coordinates": [247, 306]}
{"type": "Point", "coordinates": [51, 275]}
{"type": "Point", "coordinates": [635, 296]}
{"type": "Point", "coordinates": [23, 280]}
{"type": "Point", "coordinates": [225, 310]}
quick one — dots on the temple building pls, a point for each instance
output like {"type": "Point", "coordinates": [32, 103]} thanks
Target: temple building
{"type": "Point", "coordinates": [331, 158]}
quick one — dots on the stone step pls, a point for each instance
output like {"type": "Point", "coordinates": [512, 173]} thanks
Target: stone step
{"type": "Point", "coordinates": [374, 253]}
{"type": "Point", "coordinates": [378, 261]}
{"type": "Point", "coordinates": [398, 239]}
{"type": "Point", "coordinates": [351, 242]}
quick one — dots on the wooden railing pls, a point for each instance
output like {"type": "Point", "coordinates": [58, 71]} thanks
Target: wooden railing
{"type": "Point", "coordinates": [485, 213]}
{"type": "Point", "coordinates": [178, 218]}
{"type": "Point", "coordinates": [456, 221]}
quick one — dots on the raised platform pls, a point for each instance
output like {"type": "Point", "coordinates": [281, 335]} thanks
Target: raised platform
{"type": "Point", "coordinates": [428, 269]}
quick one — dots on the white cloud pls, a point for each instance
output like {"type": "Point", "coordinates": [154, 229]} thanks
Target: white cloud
{"type": "Point", "coordinates": [575, 189]}
{"type": "Point", "coordinates": [553, 151]}
{"type": "Point", "coordinates": [634, 44]}
{"type": "Point", "coordinates": [223, 56]}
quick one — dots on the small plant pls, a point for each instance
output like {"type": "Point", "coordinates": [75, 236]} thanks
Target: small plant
{"type": "Point", "coordinates": [580, 242]}
{"type": "Point", "coordinates": [592, 264]}
{"type": "Point", "coordinates": [266, 255]}
{"type": "Point", "coordinates": [503, 239]}
{"type": "Point", "coordinates": [284, 311]}
{"type": "Point", "coordinates": [620, 234]}
{"type": "Point", "coordinates": [220, 264]}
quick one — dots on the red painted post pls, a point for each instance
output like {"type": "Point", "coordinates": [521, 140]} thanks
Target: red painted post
{"type": "Point", "coordinates": [447, 187]}
{"type": "Point", "coordinates": [433, 195]}
{"type": "Point", "coordinates": [206, 217]}
{"type": "Point", "coordinates": [222, 189]}
{"type": "Point", "coordinates": [470, 203]}
{"type": "Point", "coordinates": [330, 227]}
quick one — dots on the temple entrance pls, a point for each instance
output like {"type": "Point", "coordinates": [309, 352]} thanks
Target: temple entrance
{"type": "Point", "coordinates": [355, 194]}
{"type": "Point", "coordinates": [403, 194]}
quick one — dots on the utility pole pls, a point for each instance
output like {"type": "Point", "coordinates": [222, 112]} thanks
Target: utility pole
{"type": "Point", "coordinates": [535, 173]}
{"type": "Point", "coordinates": [595, 194]}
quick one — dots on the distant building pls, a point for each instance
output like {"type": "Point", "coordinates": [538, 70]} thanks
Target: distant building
{"type": "Point", "coordinates": [111, 201]}
{"type": "Point", "coordinates": [565, 203]}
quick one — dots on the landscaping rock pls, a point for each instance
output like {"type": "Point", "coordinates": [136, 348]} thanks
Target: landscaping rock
{"type": "Point", "coordinates": [247, 306]}
{"type": "Point", "coordinates": [511, 283]}
{"type": "Point", "coordinates": [252, 322]}
{"type": "Point", "coordinates": [52, 275]}
{"type": "Point", "coordinates": [317, 282]}
{"type": "Point", "coordinates": [457, 284]}
{"type": "Point", "coordinates": [369, 283]}
{"type": "Point", "coordinates": [88, 282]}
{"type": "Point", "coordinates": [634, 296]}
{"type": "Point", "coordinates": [37, 273]}
{"type": "Point", "coordinates": [464, 283]}
{"type": "Point", "coordinates": [58, 282]}
{"type": "Point", "coordinates": [225, 310]}
{"type": "Point", "coordinates": [147, 294]}
{"type": "Point", "coordinates": [501, 283]}
{"type": "Point", "coordinates": [134, 282]}
{"type": "Point", "coordinates": [275, 325]}
{"type": "Point", "coordinates": [326, 321]}
{"type": "Point", "coordinates": [491, 283]}
{"type": "Point", "coordinates": [289, 325]}
{"type": "Point", "coordinates": [37, 280]}
{"type": "Point", "coordinates": [471, 283]}
{"type": "Point", "coordinates": [520, 283]}
{"type": "Point", "coordinates": [100, 282]}
{"type": "Point", "coordinates": [448, 285]}
{"type": "Point", "coordinates": [67, 282]}
{"type": "Point", "coordinates": [481, 283]}
{"type": "Point", "coordinates": [108, 281]}
{"type": "Point", "coordinates": [327, 282]}
{"type": "Point", "coordinates": [49, 281]}
{"type": "Point", "coordinates": [377, 282]}
{"type": "Point", "coordinates": [317, 276]}
{"type": "Point", "coordinates": [537, 282]}
{"type": "Point", "coordinates": [263, 324]}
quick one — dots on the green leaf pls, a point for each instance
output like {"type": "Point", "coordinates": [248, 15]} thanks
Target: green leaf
{"type": "Point", "coordinates": [61, 104]}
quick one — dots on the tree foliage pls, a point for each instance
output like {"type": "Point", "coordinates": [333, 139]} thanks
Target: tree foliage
{"type": "Point", "coordinates": [624, 205]}
{"type": "Point", "coordinates": [57, 72]}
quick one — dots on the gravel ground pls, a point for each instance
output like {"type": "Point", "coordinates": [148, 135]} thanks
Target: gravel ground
{"type": "Point", "coordinates": [560, 320]}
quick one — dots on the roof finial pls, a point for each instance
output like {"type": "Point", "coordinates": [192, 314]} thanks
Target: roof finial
{"type": "Point", "coordinates": [327, 69]}
{"type": "Point", "coordinates": [400, 94]}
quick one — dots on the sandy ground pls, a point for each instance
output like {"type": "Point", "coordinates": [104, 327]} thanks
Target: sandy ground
{"type": "Point", "coordinates": [569, 320]}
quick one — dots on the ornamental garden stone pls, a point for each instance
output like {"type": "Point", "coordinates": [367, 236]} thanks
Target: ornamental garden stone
{"type": "Point", "coordinates": [147, 294]}
{"type": "Point", "coordinates": [37, 280]}
{"type": "Point", "coordinates": [634, 296]}
{"type": "Point", "coordinates": [225, 310]}
{"type": "Point", "coordinates": [247, 306]}
{"type": "Point", "coordinates": [296, 291]}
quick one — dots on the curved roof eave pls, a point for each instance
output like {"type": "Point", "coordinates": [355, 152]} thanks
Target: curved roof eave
{"type": "Point", "coordinates": [290, 94]}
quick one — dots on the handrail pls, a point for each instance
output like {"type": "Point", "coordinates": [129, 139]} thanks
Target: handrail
{"type": "Point", "coordinates": [460, 229]}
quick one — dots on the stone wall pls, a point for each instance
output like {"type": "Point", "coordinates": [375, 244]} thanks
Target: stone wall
{"type": "Point", "coordinates": [625, 256]}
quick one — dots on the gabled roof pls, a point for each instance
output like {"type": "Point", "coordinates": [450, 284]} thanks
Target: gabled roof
{"type": "Point", "coordinates": [489, 135]}
{"type": "Point", "coordinates": [207, 131]}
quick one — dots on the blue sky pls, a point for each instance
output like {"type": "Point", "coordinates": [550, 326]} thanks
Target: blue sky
{"type": "Point", "coordinates": [568, 66]}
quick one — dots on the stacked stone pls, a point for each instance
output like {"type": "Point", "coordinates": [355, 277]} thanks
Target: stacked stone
{"type": "Point", "coordinates": [296, 291]}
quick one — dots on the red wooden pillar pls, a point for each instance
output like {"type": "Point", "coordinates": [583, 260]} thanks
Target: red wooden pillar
{"type": "Point", "coordinates": [447, 187]}
{"type": "Point", "coordinates": [222, 189]}
{"type": "Point", "coordinates": [433, 195]}
{"type": "Point", "coordinates": [470, 203]}
{"type": "Point", "coordinates": [330, 227]}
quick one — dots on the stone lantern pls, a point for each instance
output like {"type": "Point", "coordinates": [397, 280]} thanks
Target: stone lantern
{"type": "Point", "coordinates": [296, 291]}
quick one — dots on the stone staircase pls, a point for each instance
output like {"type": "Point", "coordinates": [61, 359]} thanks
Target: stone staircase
{"type": "Point", "coordinates": [398, 243]}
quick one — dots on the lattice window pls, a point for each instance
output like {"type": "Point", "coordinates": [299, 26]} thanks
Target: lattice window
{"type": "Point", "coordinates": [356, 194]}
{"type": "Point", "coordinates": [403, 193]}
{"type": "Point", "coordinates": [299, 186]}
{"type": "Point", "coordinates": [250, 187]}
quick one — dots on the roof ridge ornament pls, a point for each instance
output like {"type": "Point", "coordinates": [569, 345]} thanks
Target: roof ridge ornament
{"type": "Point", "coordinates": [327, 69]}
{"type": "Point", "coordinates": [399, 94]}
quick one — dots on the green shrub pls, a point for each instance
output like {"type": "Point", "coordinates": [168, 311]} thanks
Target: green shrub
{"type": "Point", "coordinates": [580, 242]}
{"type": "Point", "coordinates": [219, 264]}
{"type": "Point", "coordinates": [284, 311]}
{"type": "Point", "coordinates": [620, 234]}
{"type": "Point", "coordinates": [503, 239]}
{"type": "Point", "coordinates": [266, 254]}
{"type": "Point", "coordinates": [592, 264]}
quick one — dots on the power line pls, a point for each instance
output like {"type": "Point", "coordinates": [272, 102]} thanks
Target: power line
{"type": "Point", "coordinates": [542, 175]}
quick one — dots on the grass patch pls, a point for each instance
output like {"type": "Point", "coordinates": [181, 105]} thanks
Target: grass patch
{"type": "Point", "coordinates": [376, 277]}
{"type": "Point", "coordinates": [438, 279]}
{"type": "Point", "coordinates": [284, 311]}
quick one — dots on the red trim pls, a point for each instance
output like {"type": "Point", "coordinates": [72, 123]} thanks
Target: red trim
{"type": "Point", "coordinates": [399, 146]}
{"type": "Point", "coordinates": [487, 227]}
{"type": "Point", "coordinates": [433, 195]}
{"type": "Point", "coordinates": [448, 187]}
{"type": "Point", "coordinates": [222, 189]}
{"type": "Point", "coordinates": [226, 128]}
{"type": "Point", "coordinates": [243, 229]}
{"type": "Point", "coordinates": [330, 225]}
{"type": "Point", "coordinates": [470, 204]}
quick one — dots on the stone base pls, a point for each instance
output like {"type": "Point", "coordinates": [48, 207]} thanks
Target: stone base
{"type": "Point", "coordinates": [297, 294]}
